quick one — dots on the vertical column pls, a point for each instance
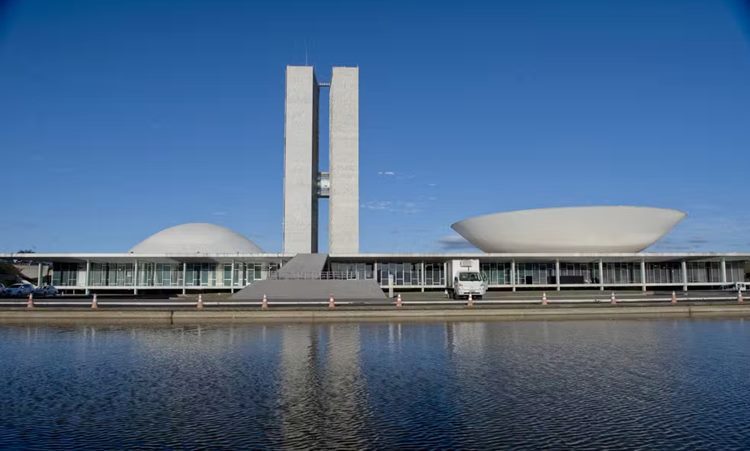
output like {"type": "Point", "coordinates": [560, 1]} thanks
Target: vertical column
{"type": "Point", "coordinates": [343, 218]}
{"type": "Point", "coordinates": [184, 277]}
{"type": "Point", "coordinates": [231, 280]}
{"type": "Point", "coordinates": [39, 275]}
{"type": "Point", "coordinates": [513, 275]}
{"type": "Point", "coordinates": [135, 277]}
{"type": "Point", "coordinates": [601, 274]}
{"type": "Point", "coordinates": [88, 273]}
{"type": "Point", "coordinates": [684, 276]}
{"type": "Point", "coordinates": [643, 275]}
{"type": "Point", "coordinates": [375, 271]}
{"type": "Point", "coordinates": [300, 161]}
{"type": "Point", "coordinates": [723, 270]}
{"type": "Point", "coordinates": [422, 277]}
{"type": "Point", "coordinates": [557, 274]}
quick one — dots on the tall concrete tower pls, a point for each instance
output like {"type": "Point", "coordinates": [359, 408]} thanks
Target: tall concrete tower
{"type": "Point", "coordinates": [301, 161]}
{"type": "Point", "coordinates": [304, 183]}
{"type": "Point", "coordinates": [343, 216]}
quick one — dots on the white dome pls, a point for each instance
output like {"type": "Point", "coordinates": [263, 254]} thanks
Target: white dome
{"type": "Point", "coordinates": [196, 238]}
{"type": "Point", "coordinates": [570, 229]}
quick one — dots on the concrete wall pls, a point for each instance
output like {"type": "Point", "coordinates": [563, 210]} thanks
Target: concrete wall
{"type": "Point", "coordinates": [343, 221]}
{"type": "Point", "coordinates": [300, 160]}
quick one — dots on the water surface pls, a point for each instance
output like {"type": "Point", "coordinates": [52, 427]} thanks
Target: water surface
{"type": "Point", "coordinates": [559, 384]}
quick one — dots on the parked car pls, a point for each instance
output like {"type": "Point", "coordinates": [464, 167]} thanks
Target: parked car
{"type": "Point", "coordinates": [2, 290]}
{"type": "Point", "coordinates": [46, 291]}
{"type": "Point", "coordinates": [19, 290]}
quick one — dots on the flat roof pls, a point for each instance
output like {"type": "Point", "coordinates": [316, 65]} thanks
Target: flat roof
{"type": "Point", "coordinates": [271, 257]}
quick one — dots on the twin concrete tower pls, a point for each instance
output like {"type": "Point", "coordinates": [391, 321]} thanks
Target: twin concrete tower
{"type": "Point", "coordinates": [304, 182]}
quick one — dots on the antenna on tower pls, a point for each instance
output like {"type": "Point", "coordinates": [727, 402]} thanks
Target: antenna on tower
{"type": "Point", "coordinates": [305, 52]}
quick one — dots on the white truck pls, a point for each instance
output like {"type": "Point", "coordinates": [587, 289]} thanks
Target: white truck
{"type": "Point", "coordinates": [465, 278]}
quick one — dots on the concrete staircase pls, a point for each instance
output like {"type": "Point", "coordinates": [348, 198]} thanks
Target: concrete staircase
{"type": "Point", "coordinates": [303, 266]}
{"type": "Point", "coordinates": [302, 279]}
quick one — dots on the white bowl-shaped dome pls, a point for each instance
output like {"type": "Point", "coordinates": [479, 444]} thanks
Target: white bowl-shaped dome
{"type": "Point", "coordinates": [196, 238]}
{"type": "Point", "coordinates": [570, 229]}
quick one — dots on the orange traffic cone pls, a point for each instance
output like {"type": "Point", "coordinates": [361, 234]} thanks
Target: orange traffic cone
{"type": "Point", "coordinates": [544, 298]}
{"type": "Point", "coordinates": [613, 299]}
{"type": "Point", "coordinates": [331, 302]}
{"type": "Point", "coordinates": [200, 302]}
{"type": "Point", "coordinates": [93, 302]}
{"type": "Point", "coordinates": [30, 302]}
{"type": "Point", "coordinates": [264, 302]}
{"type": "Point", "coordinates": [674, 298]}
{"type": "Point", "coordinates": [398, 301]}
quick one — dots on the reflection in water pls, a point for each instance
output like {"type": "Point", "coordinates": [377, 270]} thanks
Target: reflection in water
{"type": "Point", "coordinates": [321, 393]}
{"type": "Point", "coordinates": [532, 384]}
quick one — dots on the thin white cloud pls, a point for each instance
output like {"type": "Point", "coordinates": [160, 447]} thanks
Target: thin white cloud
{"type": "Point", "coordinates": [387, 173]}
{"type": "Point", "coordinates": [454, 243]}
{"type": "Point", "coordinates": [392, 207]}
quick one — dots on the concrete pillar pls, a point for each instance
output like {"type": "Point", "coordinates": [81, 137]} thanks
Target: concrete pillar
{"type": "Point", "coordinates": [684, 276]}
{"type": "Point", "coordinates": [601, 274]}
{"type": "Point", "coordinates": [723, 270]}
{"type": "Point", "coordinates": [135, 277]}
{"type": "Point", "coordinates": [557, 274]}
{"type": "Point", "coordinates": [300, 161]}
{"type": "Point", "coordinates": [375, 272]}
{"type": "Point", "coordinates": [643, 275]}
{"type": "Point", "coordinates": [88, 273]}
{"type": "Point", "coordinates": [422, 277]}
{"type": "Point", "coordinates": [39, 275]}
{"type": "Point", "coordinates": [343, 204]}
{"type": "Point", "coordinates": [184, 277]}
{"type": "Point", "coordinates": [513, 275]}
{"type": "Point", "coordinates": [231, 283]}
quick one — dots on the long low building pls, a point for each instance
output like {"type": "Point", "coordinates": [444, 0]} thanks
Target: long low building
{"type": "Point", "coordinates": [191, 272]}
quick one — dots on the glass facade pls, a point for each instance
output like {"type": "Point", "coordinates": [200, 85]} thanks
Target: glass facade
{"type": "Point", "coordinates": [664, 273]}
{"type": "Point", "coordinates": [351, 270]}
{"type": "Point", "coordinates": [579, 273]}
{"type": "Point", "coordinates": [496, 273]}
{"type": "Point", "coordinates": [200, 275]}
{"type": "Point", "coordinates": [704, 272]}
{"type": "Point", "coordinates": [622, 273]}
{"type": "Point", "coordinates": [111, 274]}
{"type": "Point", "coordinates": [735, 271]}
{"type": "Point", "coordinates": [65, 274]}
{"type": "Point", "coordinates": [535, 273]}
{"type": "Point", "coordinates": [405, 274]}
{"type": "Point", "coordinates": [434, 274]}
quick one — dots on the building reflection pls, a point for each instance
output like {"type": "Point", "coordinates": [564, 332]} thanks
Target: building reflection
{"type": "Point", "coordinates": [322, 389]}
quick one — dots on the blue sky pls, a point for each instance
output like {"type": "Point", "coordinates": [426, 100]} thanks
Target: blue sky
{"type": "Point", "coordinates": [120, 118]}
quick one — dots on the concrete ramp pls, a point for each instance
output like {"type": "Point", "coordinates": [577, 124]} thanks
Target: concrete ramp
{"type": "Point", "coordinates": [311, 290]}
{"type": "Point", "coordinates": [303, 266]}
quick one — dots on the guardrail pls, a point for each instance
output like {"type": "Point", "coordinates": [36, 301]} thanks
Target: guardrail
{"type": "Point", "coordinates": [89, 302]}
{"type": "Point", "coordinates": [323, 275]}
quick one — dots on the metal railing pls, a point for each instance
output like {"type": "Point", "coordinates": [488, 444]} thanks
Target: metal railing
{"type": "Point", "coordinates": [322, 275]}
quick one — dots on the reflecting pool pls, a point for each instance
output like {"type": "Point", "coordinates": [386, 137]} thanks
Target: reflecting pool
{"type": "Point", "coordinates": [527, 384]}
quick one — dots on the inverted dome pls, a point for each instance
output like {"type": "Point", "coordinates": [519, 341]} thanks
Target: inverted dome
{"type": "Point", "coordinates": [570, 229]}
{"type": "Point", "coordinates": [196, 238]}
